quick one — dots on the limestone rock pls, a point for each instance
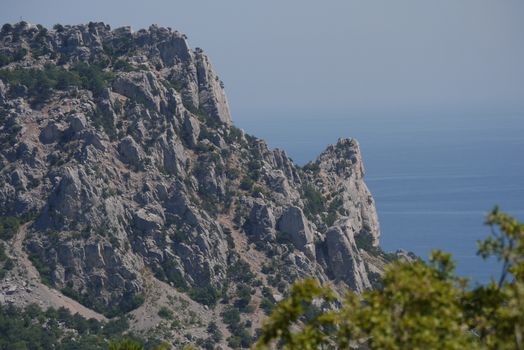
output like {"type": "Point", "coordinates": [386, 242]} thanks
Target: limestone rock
{"type": "Point", "coordinates": [130, 151]}
{"type": "Point", "coordinates": [191, 129]}
{"type": "Point", "coordinates": [344, 259]}
{"type": "Point", "coordinates": [77, 122]}
{"type": "Point", "coordinates": [341, 168]}
{"type": "Point", "coordinates": [212, 97]}
{"type": "Point", "coordinates": [294, 223]}
{"type": "Point", "coordinates": [261, 222]}
{"type": "Point", "coordinates": [147, 222]}
{"type": "Point", "coordinates": [139, 86]}
{"type": "Point", "coordinates": [3, 92]}
{"type": "Point", "coordinates": [51, 133]}
{"type": "Point", "coordinates": [143, 176]}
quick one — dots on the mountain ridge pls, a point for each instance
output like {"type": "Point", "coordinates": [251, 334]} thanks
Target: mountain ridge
{"type": "Point", "coordinates": [120, 154]}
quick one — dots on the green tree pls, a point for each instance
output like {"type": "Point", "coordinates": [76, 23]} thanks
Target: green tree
{"type": "Point", "coordinates": [8, 227]}
{"type": "Point", "coordinates": [496, 311]}
{"type": "Point", "coordinates": [420, 305]}
{"type": "Point", "coordinates": [127, 344]}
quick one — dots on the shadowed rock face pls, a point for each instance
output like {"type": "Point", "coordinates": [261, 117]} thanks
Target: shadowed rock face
{"type": "Point", "coordinates": [261, 222]}
{"type": "Point", "coordinates": [132, 164]}
{"type": "Point", "coordinates": [293, 222]}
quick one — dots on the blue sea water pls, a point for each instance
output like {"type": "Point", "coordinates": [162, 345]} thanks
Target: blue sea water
{"type": "Point", "coordinates": [433, 179]}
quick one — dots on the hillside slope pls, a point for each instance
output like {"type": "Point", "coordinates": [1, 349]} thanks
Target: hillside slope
{"type": "Point", "coordinates": [138, 194]}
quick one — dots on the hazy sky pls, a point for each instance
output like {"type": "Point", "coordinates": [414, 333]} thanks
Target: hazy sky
{"type": "Point", "coordinates": [376, 58]}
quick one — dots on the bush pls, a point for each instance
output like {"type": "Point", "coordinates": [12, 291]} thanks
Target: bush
{"type": "Point", "coordinates": [254, 168]}
{"type": "Point", "coordinates": [246, 339]}
{"type": "Point", "coordinates": [247, 183]}
{"type": "Point", "coordinates": [233, 342]}
{"type": "Point", "coordinates": [3, 255]}
{"type": "Point", "coordinates": [231, 316]}
{"type": "Point", "coordinates": [41, 82]}
{"type": "Point", "coordinates": [103, 120]}
{"type": "Point", "coordinates": [173, 275]}
{"type": "Point", "coordinates": [9, 264]}
{"type": "Point", "coordinates": [240, 271]}
{"type": "Point", "coordinates": [130, 303]}
{"type": "Point", "coordinates": [243, 297]}
{"type": "Point", "coordinates": [165, 313]}
{"type": "Point", "coordinates": [312, 166]}
{"type": "Point", "coordinates": [234, 135]}
{"type": "Point", "coordinates": [267, 305]}
{"type": "Point", "coordinates": [229, 238]}
{"type": "Point", "coordinates": [4, 60]}
{"type": "Point", "coordinates": [8, 227]}
{"type": "Point", "coordinates": [43, 268]}
{"type": "Point", "coordinates": [214, 331]}
{"type": "Point", "coordinates": [283, 237]}
{"type": "Point", "coordinates": [240, 339]}
{"type": "Point", "coordinates": [93, 77]}
{"type": "Point", "coordinates": [6, 28]}
{"type": "Point", "coordinates": [315, 202]}
{"type": "Point", "coordinates": [33, 328]}
{"type": "Point", "coordinates": [19, 55]}
{"type": "Point", "coordinates": [123, 65]}
{"type": "Point", "coordinates": [365, 241]}
{"type": "Point", "coordinates": [58, 27]}
{"type": "Point", "coordinates": [207, 295]}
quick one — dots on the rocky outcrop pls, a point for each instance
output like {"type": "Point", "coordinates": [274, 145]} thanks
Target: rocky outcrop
{"type": "Point", "coordinates": [344, 260]}
{"type": "Point", "coordinates": [192, 130]}
{"type": "Point", "coordinates": [294, 223]}
{"type": "Point", "coordinates": [261, 222]}
{"type": "Point", "coordinates": [130, 151]}
{"type": "Point", "coordinates": [51, 133]}
{"type": "Point", "coordinates": [2, 92]}
{"type": "Point", "coordinates": [212, 98]}
{"type": "Point", "coordinates": [341, 167]}
{"type": "Point", "coordinates": [131, 168]}
{"type": "Point", "coordinates": [77, 123]}
{"type": "Point", "coordinates": [140, 86]}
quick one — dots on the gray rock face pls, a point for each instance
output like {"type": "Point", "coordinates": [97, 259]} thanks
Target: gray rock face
{"type": "Point", "coordinates": [66, 200]}
{"type": "Point", "coordinates": [294, 223]}
{"type": "Point", "coordinates": [2, 92]}
{"type": "Point", "coordinates": [146, 176]}
{"type": "Point", "coordinates": [51, 133]}
{"type": "Point", "coordinates": [147, 222]}
{"type": "Point", "coordinates": [191, 129]}
{"type": "Point", "coordinates": [341, 167]}
{"type": "Point", "coordinates": [344, 259]}
{"type": "Point", "coordinates": [173, 50]}
{"type": "Point", "coordinates": [211, 97]}
{"type": "Point", "coordinates": [261, 222]}
{"type": "Point", "coordinates": [140, 86]}
{"type": "Point", "coordinates": [130, 151]}
{"type": "Point", "coordinates": [77, 122]}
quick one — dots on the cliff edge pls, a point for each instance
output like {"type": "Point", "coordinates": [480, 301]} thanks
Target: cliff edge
{"type": "Point", "coordinates": [119, 154]}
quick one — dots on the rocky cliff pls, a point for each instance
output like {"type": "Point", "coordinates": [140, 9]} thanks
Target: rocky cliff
{"type": "Point", "coordinates": [120, 163]}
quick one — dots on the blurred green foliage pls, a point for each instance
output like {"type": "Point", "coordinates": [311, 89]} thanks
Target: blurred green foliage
{"type": "Point", "coordinates": [420, 305]}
